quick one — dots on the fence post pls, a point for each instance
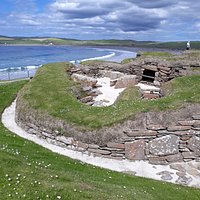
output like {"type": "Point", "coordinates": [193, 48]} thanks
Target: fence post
{"type": "Point", "coordinates": [9, 76]}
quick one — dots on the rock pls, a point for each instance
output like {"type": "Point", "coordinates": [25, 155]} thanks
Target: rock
{"type": "Point", "coordinates": [196, 117]}
{"type": "Point", "coordinates": [165, 175]}
{"type": "Point", "coordinates": [186, 123]}
{"type": "Point", "coordinates": [115, 145]}
{"type": "Point", "coordinates": [194, 145]}
{"type": "Point", "coordinates": [112, 83]}
{"type": "Point", "coordinates": [184, 180]}
{"type": "Point", "coordinates": [126, 81]}
{"type": "Point", "coordinates": [180, 174]}
{"type": "Point", "coordinates": [164, 68]}
{"type": "Point", "coordinates": [87, 99]}
{"type": "Point", "coordinates": [34, 132]}
{"type": "Point", "coordinates": [135, 150]}
{"type": "Point", "coordinates": [150, 96]}
{"type": "Point", "coordinates": [185, 138]}
{"type": "Point", "coordinates": [82, 145]}
{"type": "Point", "coordinates": [93, 146]}
{"type": "Point", "coordinates": [84, 80]}
{"type": "Point", "coordinates": [196, 124]}
{"type": "Point", "coordinates": [87, 88]}
{"type": "Point", "coordinates": [178, 167]}
{"type": "Point", "coordinates": [151, 67]}
{"type": "Point", "coordinates": [99, 151]}
{"type": "Point", "coordinates": [113, 74]}
{"type": "Point", "coordinates": [117, 155]}
{"type": "Point", "coordinates": [174, 158]}
{"type": "Point", "coordinates": [135, 133]}
{"type": "Point", "coordinates": [193, 172]}
{"type": "Point", "coordinates": [185, 133]}
{"type": "Point", "coordinates": [179, 128]}
{"type": "Point", "coordinates": [158, 161]}
{"type": "Point", "coordinates": [165, 145]}
{"type": "Point", "coordinates": [112, 149]}
{"type": "Point", "coordinates": [157, 83]}
{"type": "Point", "coordinates": [188, 155]}
{"type": "Point", "coordinates": [155, 127]}
{"type": "Point", "coordinates": [63, 139]}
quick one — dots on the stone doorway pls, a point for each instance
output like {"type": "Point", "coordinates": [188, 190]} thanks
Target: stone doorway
{"type": "Point", "coordinates": [148, 75]}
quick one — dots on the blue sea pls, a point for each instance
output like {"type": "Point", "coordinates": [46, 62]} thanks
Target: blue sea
{"type": "Point", "coordinates": [16, 57]}
{"type": "Point", "coordinates": [17, 61]}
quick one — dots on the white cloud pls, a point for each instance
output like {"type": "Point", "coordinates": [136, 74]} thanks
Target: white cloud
{"type": "Point", "coordinates": [140, 19]}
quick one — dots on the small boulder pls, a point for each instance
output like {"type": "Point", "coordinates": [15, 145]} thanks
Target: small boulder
{"type": "Point", "coordinates": [126, 81]}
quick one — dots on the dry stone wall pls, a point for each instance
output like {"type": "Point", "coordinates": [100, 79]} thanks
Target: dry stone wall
{"type": "Point", "coordinates": [157, 138]}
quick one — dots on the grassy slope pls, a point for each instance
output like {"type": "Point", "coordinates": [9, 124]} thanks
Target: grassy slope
{"type": "Point", "coordinates": [112, 42]}
{"type": "Point", "coordinates": [50, 91]}
{"type": "Point", "coordinates": [28, 171]}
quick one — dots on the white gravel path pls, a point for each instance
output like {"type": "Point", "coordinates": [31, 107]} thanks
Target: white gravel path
{"type": "Point", "coordinates": [108, 94]}
{"type": "Point", "coordinates": [141, 168]}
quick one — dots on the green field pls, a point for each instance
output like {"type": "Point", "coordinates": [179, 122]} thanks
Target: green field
{"type": "Point", "coordinates": [28, 171]}
{"type": "Point", "coordinates": [112, 42]}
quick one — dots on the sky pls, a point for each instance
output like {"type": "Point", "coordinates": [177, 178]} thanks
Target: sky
{"type": "Point", "coordinates": [144, 20]}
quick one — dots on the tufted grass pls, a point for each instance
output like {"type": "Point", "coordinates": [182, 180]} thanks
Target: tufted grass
{"type": "Point", "coordinates": [28, 171]}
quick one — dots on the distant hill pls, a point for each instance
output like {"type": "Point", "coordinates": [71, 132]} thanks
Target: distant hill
{"type": "Point", "coordinates": [4, 40]}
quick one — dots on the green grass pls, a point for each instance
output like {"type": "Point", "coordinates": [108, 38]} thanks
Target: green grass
{"type": "Point", "coordinates": [50, 92]}
{"type": "Point", "coordinates": [157, 54]}
{"type": "Point", "coordinates": [90, 62]}
{"type": "Point", "coordinates": [28, 171]}
{"type": "Point", "coordinates": [127, 60]}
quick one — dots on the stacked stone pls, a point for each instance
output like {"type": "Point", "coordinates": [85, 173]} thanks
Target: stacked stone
{"type": "Point", "coordinates": [154, 93]}
{"type": "Point", "coordinates": [157, 144]}
{"type": "Point", "coordinates": [164, 70]}
{"type": "Point", "coordinates": [164, 145]}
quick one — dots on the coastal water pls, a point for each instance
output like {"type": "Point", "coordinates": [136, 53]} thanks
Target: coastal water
{"type": "Point", "coordinates": [19, 57]}
{"type": "Point", "coordinates": [23, 61]}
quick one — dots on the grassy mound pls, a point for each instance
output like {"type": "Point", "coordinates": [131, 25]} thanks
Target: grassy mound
{"type": "Point", "coordinates": [50, 92]}
{"type": "Point", "coordinates": [28, 171]}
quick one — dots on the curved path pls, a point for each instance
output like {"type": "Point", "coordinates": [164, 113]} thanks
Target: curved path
{"type": "Point", "coordinates": [138, 168]}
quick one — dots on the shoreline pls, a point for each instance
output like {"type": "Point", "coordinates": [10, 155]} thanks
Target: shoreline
{"type": "Point", "coordinates": [113, 55]}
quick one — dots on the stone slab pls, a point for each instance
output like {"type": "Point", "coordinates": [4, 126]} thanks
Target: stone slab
{"type": "Point", "coordinates": [115, 145]}
{"type": "Point", "coordinates": [141, 133]}
{"type": "Point", "coordinates": [194, 145]}
{"type": "Point", "coordinates": [135, 150]}
{"type": "Point", "coordinates": [99, 151]}
{"type": "Point", "coordinates": [166, 145]}
{"type": "Point", "coordinates": [178, 128]}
